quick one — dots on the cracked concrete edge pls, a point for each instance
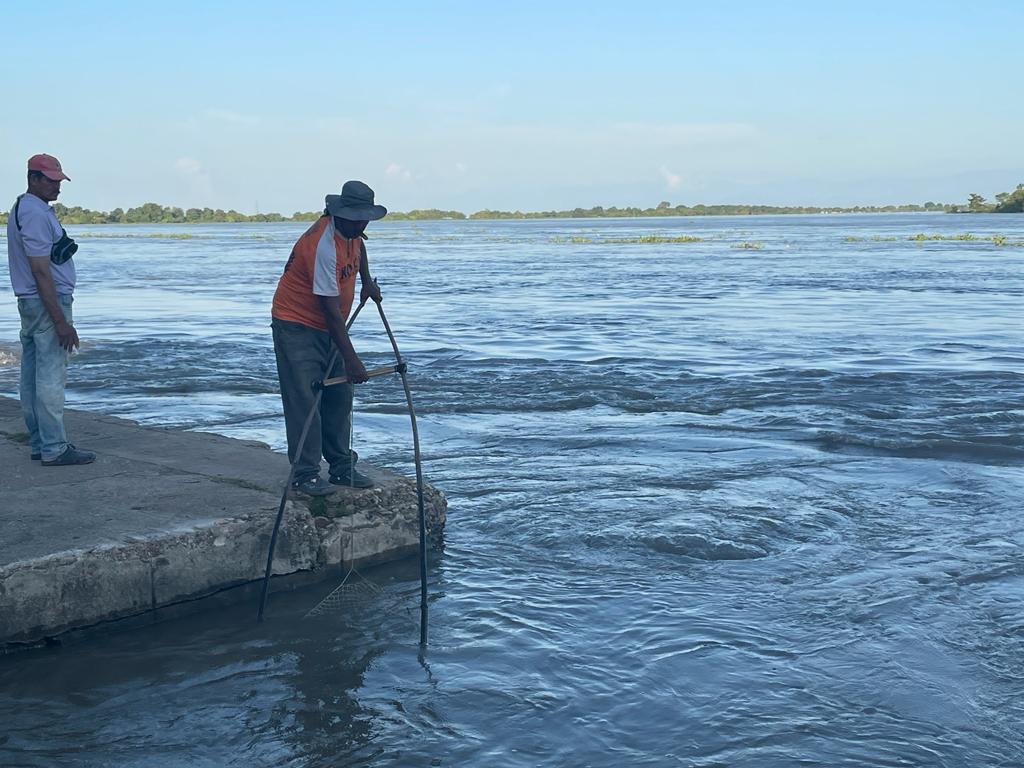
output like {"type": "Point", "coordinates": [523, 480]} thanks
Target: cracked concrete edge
{"type": "Point", "coordinates": [53, 594]}
{"type": "Point", "coordinates": [368, 527]}
{"type": "Point", "coordinates": [76, 589]}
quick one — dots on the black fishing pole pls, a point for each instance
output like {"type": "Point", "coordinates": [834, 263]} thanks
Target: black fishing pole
{"type": "Point", "coordinates": [291, 473]}
{"type": "Point", "coordinates": [400, 367]}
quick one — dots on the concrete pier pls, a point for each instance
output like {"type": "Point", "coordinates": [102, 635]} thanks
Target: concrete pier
{"type": "Point", "coordinates": [165, 516]}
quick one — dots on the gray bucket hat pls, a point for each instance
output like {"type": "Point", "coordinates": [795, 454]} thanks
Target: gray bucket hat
{"type": "Point", "coordinates": [355, 203]}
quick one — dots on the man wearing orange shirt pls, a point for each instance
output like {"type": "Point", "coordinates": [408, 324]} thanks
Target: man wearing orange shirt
{"type": "Point", "coordinates": [311, 304]}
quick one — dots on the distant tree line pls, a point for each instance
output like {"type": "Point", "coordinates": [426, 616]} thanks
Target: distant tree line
{"type": "Point", "coordinates": [665, 208]}
{"type": "Point", "coordinates": [425, 214]}
{"type": "Point", "coordinates": [153, 213]}
{"type": "Point", "coordinates": [1006, 202]}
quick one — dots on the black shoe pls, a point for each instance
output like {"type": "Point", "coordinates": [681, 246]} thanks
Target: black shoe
{"type": "Point", "coordinates": [313, 486]}
{"type": "Point", "coordinates": [70, 457]}
{"type": "Point", "coordinates": [352, 478]}
{"type": "Point", "coordinates": [36, 457]}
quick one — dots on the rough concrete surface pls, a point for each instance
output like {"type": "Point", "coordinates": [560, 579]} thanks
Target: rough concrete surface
{"type": "Point", "coordinates": [164, 516]}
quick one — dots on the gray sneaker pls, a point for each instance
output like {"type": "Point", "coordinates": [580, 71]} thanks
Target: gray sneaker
{"type": "Point", "coordinates": [352, 478]}
{"type": "Point", "coordinates": [70, 457]}
{"type": "Point", "coordinates": [313, 486]}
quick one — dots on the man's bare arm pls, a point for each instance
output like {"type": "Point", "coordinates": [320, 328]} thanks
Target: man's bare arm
{"type": "Point", "coordinates": [369, 288]}
{"type": "Point", "coordinates": [355, 371]}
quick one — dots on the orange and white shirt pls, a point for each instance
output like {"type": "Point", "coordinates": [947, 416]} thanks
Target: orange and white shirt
{"type": "Point", "coordinates": [322, 263]}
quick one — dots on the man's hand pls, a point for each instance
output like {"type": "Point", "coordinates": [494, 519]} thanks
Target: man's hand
{"type": "Point", "coordinates": [370, 290]}
{"type": "Point", "coordinates": [67, 336]}
{"type": "Point", "coordinates": [355, 371]}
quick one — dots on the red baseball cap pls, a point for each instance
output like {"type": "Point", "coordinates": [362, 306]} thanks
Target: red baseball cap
{"type": "Point", "coordinates": [49, 166]}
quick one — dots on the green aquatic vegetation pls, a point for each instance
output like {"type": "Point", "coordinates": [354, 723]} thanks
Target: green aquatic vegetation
{"type": "Point", "coordinates": [146, 236]}
{"type": "Point", "coordinates": [1003, 240]}
{"type": "Point", "coordinates": [921, 237]}
{"type": "Point", "coordinates": [639, 240]}
{"type": "Point", "coordinates": [750, 246]}
{"type": "Point", "coordinates": [657, 239]}
{"type": "Point", "coordinates": [966, 237]}
{"type": "Point", "coordinates": [558, 240]}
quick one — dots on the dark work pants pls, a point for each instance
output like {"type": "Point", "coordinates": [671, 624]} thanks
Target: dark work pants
{"type": "Point", "coordinates": [302, 356]}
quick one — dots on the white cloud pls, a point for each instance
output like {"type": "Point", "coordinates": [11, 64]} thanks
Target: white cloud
{"type": "Point", "coordinates": [395, 171]}
{"type": "Point", "coordinates": [188, 166]}
{"type": "Point", "coordinates": [673, 180]}
{"type": "Point", "coordinates": [196, 186]}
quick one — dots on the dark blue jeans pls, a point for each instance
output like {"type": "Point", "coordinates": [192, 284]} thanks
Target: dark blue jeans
{"type": "Point", "coordinates": [302, 356]}
{"type": "Point", "coordinates": [44, 372]}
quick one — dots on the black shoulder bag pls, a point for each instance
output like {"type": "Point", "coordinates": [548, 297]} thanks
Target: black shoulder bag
{"type": "Point", "coordinates": [62, 250]}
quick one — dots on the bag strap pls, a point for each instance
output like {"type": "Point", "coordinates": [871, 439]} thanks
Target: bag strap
{"type": "Point", "coordinates": [17, 202]}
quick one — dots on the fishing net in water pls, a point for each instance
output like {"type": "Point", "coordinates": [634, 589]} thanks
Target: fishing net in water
{"type": "Point", "coordinates": [354, 592]}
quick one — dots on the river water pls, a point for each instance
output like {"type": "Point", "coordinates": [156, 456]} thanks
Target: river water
{"type": "Point", "coordinates": [753, 500]}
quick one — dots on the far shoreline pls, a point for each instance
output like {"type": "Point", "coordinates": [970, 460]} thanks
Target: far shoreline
{"type": "Point", "coordinates": [468, 220]}
{"type": "Point", "coordinates": [80, 217]}
{"type": "Point", "coordinates": [154, 213]}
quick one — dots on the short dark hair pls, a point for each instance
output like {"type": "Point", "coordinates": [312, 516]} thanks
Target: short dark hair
{"type": "Point", "coordinates": [35, 175]}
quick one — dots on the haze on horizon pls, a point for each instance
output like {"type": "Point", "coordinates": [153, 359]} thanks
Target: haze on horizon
{"type": "Point", "coordinates": [533, 106]}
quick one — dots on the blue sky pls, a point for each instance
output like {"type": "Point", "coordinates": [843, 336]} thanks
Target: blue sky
{"type": "Point", "coordinates": [528, 105]}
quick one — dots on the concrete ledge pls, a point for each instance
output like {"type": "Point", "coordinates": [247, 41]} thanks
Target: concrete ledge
{"type": "Point", "coordinates": [165, 516]}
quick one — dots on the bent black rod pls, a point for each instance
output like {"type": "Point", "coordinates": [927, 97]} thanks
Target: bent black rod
{"type": "Point", "coordinates": [400, 366]}
{"type": "Point", "coordinates": [291, 474]}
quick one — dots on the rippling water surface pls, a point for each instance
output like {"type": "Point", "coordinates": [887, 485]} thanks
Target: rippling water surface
{"type": "Point", "coordinates": [748, 501]}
